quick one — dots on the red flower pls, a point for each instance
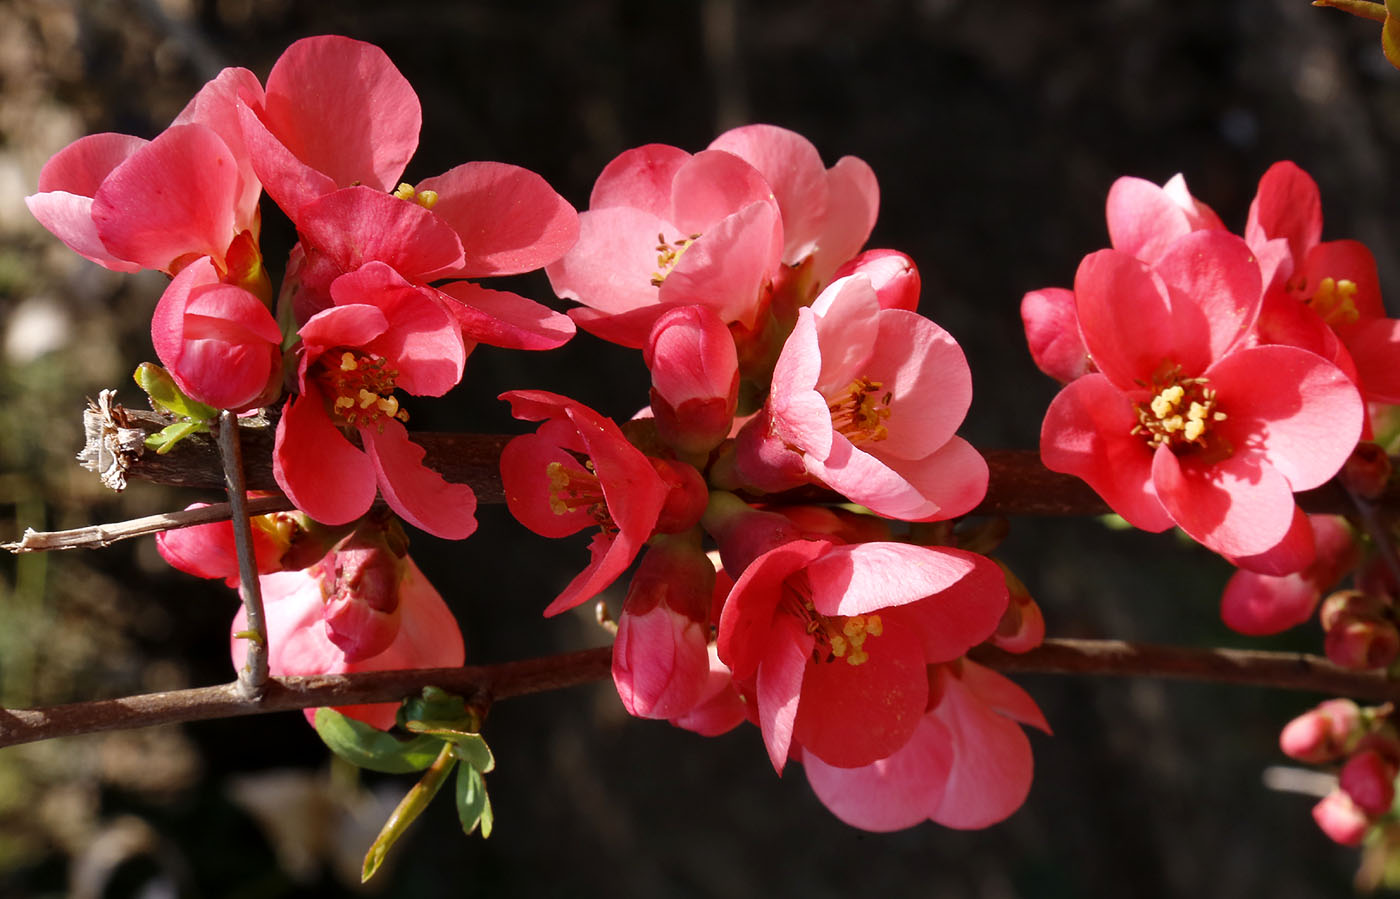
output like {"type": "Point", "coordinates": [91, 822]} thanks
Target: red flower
{"type": "Point", "coordinates": [836, 640]}
{"type": "Point", "coordinates": [553, 493]}
{"type": "Point", "coordinates": [383, 334]}
{"type": "Point", "coordinates": [1179, 425]}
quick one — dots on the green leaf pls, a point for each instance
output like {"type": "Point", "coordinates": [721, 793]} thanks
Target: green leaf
{"type": "Point", "coordinates": [165, 394]}
{"type": "Point", "coordinates": [408, 810]}
{"type": "Point", "coordinates": [439, 707]}
{"type": "Point", "coordinates": [473, 805]}
{"type": "Point", "coordinates": [367, 747]}
{"type": "Point", "coordinates": [164, 440]}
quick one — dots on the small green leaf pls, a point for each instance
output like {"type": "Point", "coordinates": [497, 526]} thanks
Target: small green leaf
{"type": "Point", "coordinates": [473, 805]}
{"type": "Point", "coordinates": [408, 810]}
{"type": "Point", "coordinates": [362, 745]}
{"type": "Point", "coordinates": [164, 440]}
{"type": "Point", "coordinates": [441, 708]}
{"type": "Point", "coordinates": [165, 394]}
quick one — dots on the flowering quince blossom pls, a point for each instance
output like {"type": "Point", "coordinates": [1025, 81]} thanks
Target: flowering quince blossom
{"type": "Point", "coordinates": [866, 400]}
{"type": "Point", "coordinates": [618, 489]}
{"type": "Point", "coordinates": [1324, 296]}
{"type": "Point", "coordinates": [372, 611]}
{"type": "Point", "coordinates": [208, 550]}
{"type": "Point", "coordinates": [331, 138]}
{"type": "Point", "coordinates": [836, 639]}
{"type": "Point", "coordinates": [967, 765]}
{"type": "Point", "coordinates": [382, 334]}
{"type": "Point", "coordinates": [1182, 425]}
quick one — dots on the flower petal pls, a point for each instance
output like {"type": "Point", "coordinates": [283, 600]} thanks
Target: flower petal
{"type": "Point", "coordinates": [323, 473]}
{"type": "Point", "coordinates": [417, 493]}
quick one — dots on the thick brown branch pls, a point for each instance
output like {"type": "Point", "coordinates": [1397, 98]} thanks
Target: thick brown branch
{"type": "Point", "coordinates": [484, 684]}
{"type": "Point", "coordinates": [1019, 484]}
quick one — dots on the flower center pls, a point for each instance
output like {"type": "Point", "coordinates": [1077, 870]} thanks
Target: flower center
{"type": "Point", "coordinates": [572, 489]}
{"type": "Point", "coordinates": [361, 388]}
{"type": "Point", "coordinates": [668, 254]}
{"type": "Point", "coordinates": [1335, 301]}
{"type": "Point", "coordinates": [838, 636]}
{"type": "Point", "coordinates": [1180, 414]}
{"type": "Point", "coordinates": [425, 198]}
{"type": "Point", "coordinates": [860, 410]}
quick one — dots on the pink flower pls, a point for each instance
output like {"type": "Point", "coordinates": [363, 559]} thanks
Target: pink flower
{"type": "Point", "coordinates": [217, 340]}
{"type": "Point", "coordinates": [1180, 425]}
{"type": "Point", "coordinates": [128, 204]}
{"type": "Point", "coordinates": [301, 642]}
{"type": "Point", "coordinates": [665, 228]}
{"type": "Point", "coordinates": [332, 137]}
{"type": "Point", "coordinates": [554, 494]}
{"type": "Point", "coordinates": [1324, 296]}
{"type": "Point", "coordinates": [827, 214]}
{"type": "Point", "coordinates": [208, 550]}
{"type": "Point", "coordinates": [1260, 604]}
{"type": "Point", "coordinates": [967, 765]}
{"type": "Point", "coordinates": [870, 398]}
{"type": "Point", "coordinates": [383, 334]}
{"type": "Point", "coordinates": [1144, 219]}
{"type": "Point", "coordinates": [836, 640]}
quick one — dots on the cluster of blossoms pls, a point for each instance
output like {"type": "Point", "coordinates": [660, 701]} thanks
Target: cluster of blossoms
{"type": "Point", "coordinates": [1209, 377]}
{"type": "Point", "coordinates": [781, 357]}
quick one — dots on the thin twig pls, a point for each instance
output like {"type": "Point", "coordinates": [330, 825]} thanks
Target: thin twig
{"type": "Point", "coordinates": [252, 677]}
{"type": "Point", "coordinates": [96, 536]}
{"type": "Point", "coordinates": [482, 685]}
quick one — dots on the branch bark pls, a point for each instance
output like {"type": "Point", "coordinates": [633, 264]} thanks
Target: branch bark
{"type": "Point", "coordinates": [484, 684]}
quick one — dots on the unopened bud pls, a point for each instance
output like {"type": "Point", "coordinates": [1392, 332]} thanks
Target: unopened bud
{"type": "Point", "coordinates": [695, 378]}
{"type": "Point", "coordinates": [685, 499]}
{"type": "Point", "coordinates": [1324, 733]}
{"type": "Point", "coordinates": [361, 579]}
{"type": "Point", "coordinates": [1367, 472]}
{"type": "Point", "coordinates": [1362, 643]}
{"type": "Point", "coordinates": [1351, 604]}
{"type": "Point", "coordinates": [1369, 779]}
{"type": "Point", "coordinates": [1341, 818]}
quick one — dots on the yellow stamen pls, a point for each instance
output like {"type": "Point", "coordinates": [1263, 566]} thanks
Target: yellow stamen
{"type": "Point", "coordinates": [859, 411]}
{"type": "Point", "coordinates": [1335, 301]}
{"type": "Point", "coordinates": [1179, 414]}
{"type": "Point", "coordinates": [668, 254]}
{"type": "Point", "coordinates": [425, 198]}
{"type": "Point", "coordinates": [837, 636]}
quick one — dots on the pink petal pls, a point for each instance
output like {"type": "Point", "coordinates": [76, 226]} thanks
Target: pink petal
{"type": "Point", "coordinates": [728, 267]}
{"type": "Point", "coordinates": [793, 168]}
{"type": "Point", "coordinates": [1143, 219]}
{"type": "Point", "coordinates": [356, 225]}
{"type": "Point", "coordinates": [866, 479]}
{"type": "Point", "coordinates": [1002, 694]}
{"type": "Point", "coordinates": [991, 773]}
{"type": "Point", "coordinates": [1293, 553]}
{"type": "Point", "coordinates": [67, 184]}
{"type": "Point", "coordinates": [1240, 506]}
{"type": "Point", "coordinates": [1088, 433]}
{"type": "Point", "coordinates": [1052, 331]}
{"type": "Point", "coordinates": [342, 108]}
{"type": "Point", "coordinates": [1258, 605]}
{"type": "Point", "coordinates": [893, 793]}
{"type": "Point", "coordinates": [848, 325]}
{"type": "Point", "coordinates": [505, 319]}
{"type": "Point", "coordinates": [1347, 260]}
{"type": "Point", "coordinates": [1375, 346]}
{"type": "Point", "coordinates": [711, 186]}
{"type": "Point", "coordinates": [290, 182]}
{"type": "Point", "coordinates": [417, 493]}
{"type": "Point", "coordinates": [853, 715]}
{"type": "Point", "coordinates": [640, 178]}
{"type": "Point", "coordinates": [217, 106]}
{"type": "Point", "coordinates": [854, 202]}
{"type": "Point", "coordinates": [1125, 318]}
{"type": "Point", "coordinates": [1292, 407]}
{"type": "Point", "coordinates": [867, 577]}
{"type": "Point", "coordinates": [746, 625]}
{"type": "Point", "coordinates": [929, 381]}
{"type": "Point", "coordinates": [528, 492]}
{"type": "Point", "coordinates": [801, 416]}
{"type": "Point", "coordinates": [321, 471]}
{"type": "Point", "coordinates": [780, 686]}
{"type": "Point", "coordinates": [347, 326]}
{"type": "Point", "coordinates": [1215, 289]}
{"type": "Point", "coordinates": [1287, 205]}
{"type": "Point", "coordinates": [611, 267]}
{"type": "Point", "coordinates": [953, 479]}
{"type": "Point", "coordinates": [509, 219]}
{"type": "Point", "coordinates": [961, 615]}
{"type": "Point", "coordinates": [174, 197]}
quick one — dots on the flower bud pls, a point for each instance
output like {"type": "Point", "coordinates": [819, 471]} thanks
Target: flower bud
{"type": "Point", "coordinates": [894, 276]}
{"type": "Point", "coordinates": [686, 499]}
{"type": "Point", "coordinates": [1367, 472]}
{"type": "Point", "coordinates": [1324, 733]}
{"type": "Point", "coordinates": [825, 521]}
{"type": "Point", "coordinates": [720, 708]}
{"type": "Point", "coordinates": [360, 579]}
{"type": "Point", "coordinates": [694, 376]}
{"type": "Point", "coordinates": [1369, 779]}
{"type": "Point", "coordinates": [1362, 643]}
{"type": "Point", "coordinates": [1341, 818]}
{"type": "Point", "coordinates": [660, 662]}
{"type": "Point", "coordinates": [743, 532]}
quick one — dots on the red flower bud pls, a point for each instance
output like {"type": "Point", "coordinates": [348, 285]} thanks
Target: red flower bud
{"type": "Point", "coordinates": [1341, 818]}
{"type": "Point", "coordinates": [1322, 734]}
{"type": "Point", "coordinates": [1369, 779]}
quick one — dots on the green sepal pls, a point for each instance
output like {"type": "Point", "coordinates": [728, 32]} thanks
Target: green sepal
{"type": "Point", "coordinates": [408, 810]}
{"type": "Point", "coordinates": [167, 396]}
{"type": "Point", "coordinates": [367, 747]}
{"type": "Point", "coordinates": [473, 805]}
{"type": "Point", "coordinates": [164, 440]}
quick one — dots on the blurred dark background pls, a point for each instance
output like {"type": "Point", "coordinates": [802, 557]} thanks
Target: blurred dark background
{"type": "Point", "coordinates": [995, 130]}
